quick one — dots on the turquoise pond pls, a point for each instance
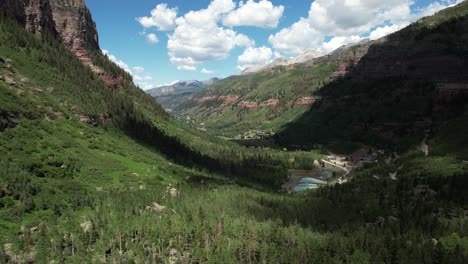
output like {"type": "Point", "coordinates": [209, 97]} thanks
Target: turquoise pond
{"type": "Point", "coordinates": [305, 181]}
{"type": "Point", "coordinates": [327, 174]}
{"type": "Point", "coordinates": [304, 187]}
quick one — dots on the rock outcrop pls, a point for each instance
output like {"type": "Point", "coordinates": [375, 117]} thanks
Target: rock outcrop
{"type": "Point", "coordinates": [75, 25]}
{"type": "Point", "coordinates": [34, 15]}
{"type": "Point", "coordinates": [70, 20]}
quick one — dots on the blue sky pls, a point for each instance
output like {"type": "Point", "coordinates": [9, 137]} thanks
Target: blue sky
{"type": "Point", "coordinates": [217, 38]}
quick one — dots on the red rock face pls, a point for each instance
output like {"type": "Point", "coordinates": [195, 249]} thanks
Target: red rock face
{"type": "Point", "coordinates": [229, 99]}
{"type": "Point", "coordinates": [343, 69]}
{"type": "Point", "coordinates": [113, 82]}
{"type": "Point", "coordinates": [74, 24]}
{"type": "Point", "coordinates": [38, 17]}
{"type": "Point", "coordinates": [70, 20]}
{"type": "Point", "coordinates": [205, 99]}
{"type": "Point", "coordinates": [270, 103]}
{"type": "Point", "coordinates": [307, 101]}
{"type": "Point", "coordinates": [33, 15]}
{"type": "Point", "coordinates": [247, 105]}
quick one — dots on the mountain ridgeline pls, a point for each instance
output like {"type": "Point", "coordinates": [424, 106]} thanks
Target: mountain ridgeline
{"type": "Point", "coordinates": [415, 76]}
{"type": "Point", "coordinates": [94, 170]}
{"type": "Point", "coordinates": [410, 82]}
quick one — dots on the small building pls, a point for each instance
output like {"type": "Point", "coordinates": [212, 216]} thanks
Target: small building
{"type": "Point", "coordinates": [365, 154]}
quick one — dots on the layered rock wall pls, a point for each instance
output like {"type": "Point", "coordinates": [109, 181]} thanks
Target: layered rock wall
{"type": "Point", "coordinates": [70, 20]}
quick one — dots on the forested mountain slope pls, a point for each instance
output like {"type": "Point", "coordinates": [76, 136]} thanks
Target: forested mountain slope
{"type": "Point", "coordinates": [412, 82]}
{"type": "Point", "coordinates": [258, 105]}
{"type": "Point", "coordinates": [413, 71]}
{"type": "Point", "coordinates": [264, 100]}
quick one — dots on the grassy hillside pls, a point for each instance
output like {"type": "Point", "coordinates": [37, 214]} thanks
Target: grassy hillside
{"type": "Point", "coordinates": [287, 86]}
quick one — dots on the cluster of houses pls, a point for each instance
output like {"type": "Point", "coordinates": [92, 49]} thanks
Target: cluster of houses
{"type": "Point", "coordinates": [301, 180]}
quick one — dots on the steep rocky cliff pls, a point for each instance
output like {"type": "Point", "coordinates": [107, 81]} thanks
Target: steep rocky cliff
{"type": "Point", "coordinates": [34, 15]}
{"type": "Point", "coordinates": [70, 20]}
{"type": "Point", "coordinates": [74, 23]}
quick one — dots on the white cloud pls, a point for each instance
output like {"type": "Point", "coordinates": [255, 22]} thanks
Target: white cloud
{"type": "Point", "coordinates": [277, 55]}
{"type": "Point", "coordinates": [152, 38]}
{"type": "Point", "coordinates": [146, 86]}
{"type": "Point", "coordinates": [167, 84]}
{"type": "Point", "coordinates": [198, 38]}
{"type": "Point", "coordinates": [254, 56]}
{"type": "Point", "coordinates": [139, 69]}
{"type": "Point", "coordinates": [186, 68]}
{"type": "Point", "coordinates": [435, 7]}
{"type": "Point", "coordinates": [139, 78]}
{"type": "Point", "coordinates": [296, 39]}
{"type": "Point", "coordinates": [337, 42]}
{"type": "Point", "coordinates": [205, 71]}
{"type": "Point", "coordinates": [383, 31]}
{"type": "Point", "coordinates": [162, 18]}
{"type": "Point", "coordinates": [346, 20]}
{"type": "Point", "coordinates": [261, 14]}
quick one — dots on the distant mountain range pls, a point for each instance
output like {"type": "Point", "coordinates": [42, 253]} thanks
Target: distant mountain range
{"type": "Point", "coordinates": [171, 96]}
{"type": "Point", "coordinates": [181, 86]}
{"type": "Point", "coordinates": [307, 57]}
{"type": "Point", "coordinates": [282, 61]}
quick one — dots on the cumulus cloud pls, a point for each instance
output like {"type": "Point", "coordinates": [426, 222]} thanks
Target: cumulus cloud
{"type": "Point", "coordinates": [152, 38]}
{"type": "Point", "coordinates": [296, 39]}
{"type": "Point", "coordinates": [337, 42]}
{"type": "Point", "coordinates": [383, 31]}
{"type": "Point", "coordinates": [162, 17]}
{"type": "Point", "coordinates": [198, 37]}
{"type": "Point", "coordinates": [346, 21]}
{"type": "Point", "coordinates": [146, 86]}
{"type": "Point", "coordinates": [205, 71]}
{"type": "Point", "coordinates": [254, 56]}
{"type": "Point", "coordinates": [186, 68]}
{"type": "Point", "coordinates": [261, 14]}
{"type": "Point", "coordinates": [139, 69]}
{"type": "Point", "coordinates": [139, 78]}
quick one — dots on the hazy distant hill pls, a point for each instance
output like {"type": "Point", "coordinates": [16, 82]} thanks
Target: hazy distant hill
{"type": "Point", "coordinates": [171, 96]}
